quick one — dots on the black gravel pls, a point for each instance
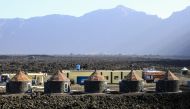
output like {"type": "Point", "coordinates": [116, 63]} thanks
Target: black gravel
{"type": "Point", "coordinates": [97, 101]}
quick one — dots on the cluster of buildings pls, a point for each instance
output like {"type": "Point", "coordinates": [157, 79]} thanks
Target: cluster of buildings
{"type": "Point", "coordinates": [111, 76]}
{"type": "Point", "coordinates": [95, 83]}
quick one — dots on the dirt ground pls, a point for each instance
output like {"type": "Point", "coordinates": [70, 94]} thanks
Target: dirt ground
{"type": "Point", "coordinates": [97, 101]}
{"type": "Point", "coordinates": [116, 100]}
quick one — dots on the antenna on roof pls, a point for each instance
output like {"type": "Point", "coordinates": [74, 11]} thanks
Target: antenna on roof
{"type": "Point", "coordinates": [95, 70]}
{"type": "Point", "coordinates": [132, 67]}
{"type": "Point", "coordinates": [19, 69]}
{"type": "Point", "coordinates": [166, 69]}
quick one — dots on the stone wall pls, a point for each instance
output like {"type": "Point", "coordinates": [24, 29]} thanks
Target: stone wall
{"type": "Point", "coordinates": [97, 101]}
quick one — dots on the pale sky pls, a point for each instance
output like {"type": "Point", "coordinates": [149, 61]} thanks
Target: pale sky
{"type": "Point", "coordinates": [32, 8]}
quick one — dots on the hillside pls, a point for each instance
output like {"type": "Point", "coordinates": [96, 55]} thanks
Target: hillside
{"type": "Point", "coordinates": [110, 31]}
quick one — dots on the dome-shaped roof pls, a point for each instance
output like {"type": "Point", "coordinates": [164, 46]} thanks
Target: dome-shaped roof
{"type": "Point", "coordinates": [58, 76]}
{"type": "Point", "coordinates": [184, 69]}
{"type": "Point", "coordinates": [96, 76]}
{"type": "Point", "coordinates": [132, 76]}
{"type": "Point", "coordinates": [170, 76]}
{"type": "Point", "coordinates": [20, 76]}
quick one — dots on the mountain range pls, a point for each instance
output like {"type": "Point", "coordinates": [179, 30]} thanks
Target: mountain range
{"type": "Point", "coordinates": [106, 31]}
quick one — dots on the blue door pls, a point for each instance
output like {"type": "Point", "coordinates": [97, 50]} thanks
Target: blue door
{"type": "Point", "coordinates": [81, 79]}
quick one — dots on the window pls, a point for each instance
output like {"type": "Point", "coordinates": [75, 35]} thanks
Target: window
{"type": "Point", "coordinates": [116, 77]}
{"type": "Point", "coordinates": [66, 86]}
{"type": "Point", "coordinates": [106, 77]}
{"type": "Point", "coordinates": [100, 73]}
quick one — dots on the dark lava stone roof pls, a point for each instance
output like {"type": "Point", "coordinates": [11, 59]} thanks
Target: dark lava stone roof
{"type": "Point", "coordinates": [133, 76]}
{"type": "Point", "coordinates": [170, 76]}
{"type": "Point", "coordinates": [20, 76]}
{"type": "Point", "coordinates": [59, 76]}
{"type": "Point", "coordinates": [96, 76]}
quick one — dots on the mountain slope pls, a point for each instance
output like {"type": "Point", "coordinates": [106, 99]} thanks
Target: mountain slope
{"type": "Point", "coordinates": [117, 30]}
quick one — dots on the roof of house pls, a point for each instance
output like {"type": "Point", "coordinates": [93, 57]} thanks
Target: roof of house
{"type": "Point", "coordinates": [96, 76]}
{"type": "Point", "coordinates": [184, 69]}
{"type": "Point", "coordinates": [170, 76]}
{"type": "Point", "coordinates": [132, 76]}
{"type": "Point", "coordinates": [58, 76]}
{"type": "Point", "coordinates": [20, 76]}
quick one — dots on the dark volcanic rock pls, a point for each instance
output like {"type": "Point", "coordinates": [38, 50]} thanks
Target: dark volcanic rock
{"type": "Point", "coordinates": [97, 101]}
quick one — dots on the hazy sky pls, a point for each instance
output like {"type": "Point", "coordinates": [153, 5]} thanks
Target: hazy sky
{"type": "Point", "coordinates": [31, 8]}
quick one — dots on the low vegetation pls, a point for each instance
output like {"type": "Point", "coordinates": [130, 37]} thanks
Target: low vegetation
{"type": "Point", "coordinates": [49, 64]}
